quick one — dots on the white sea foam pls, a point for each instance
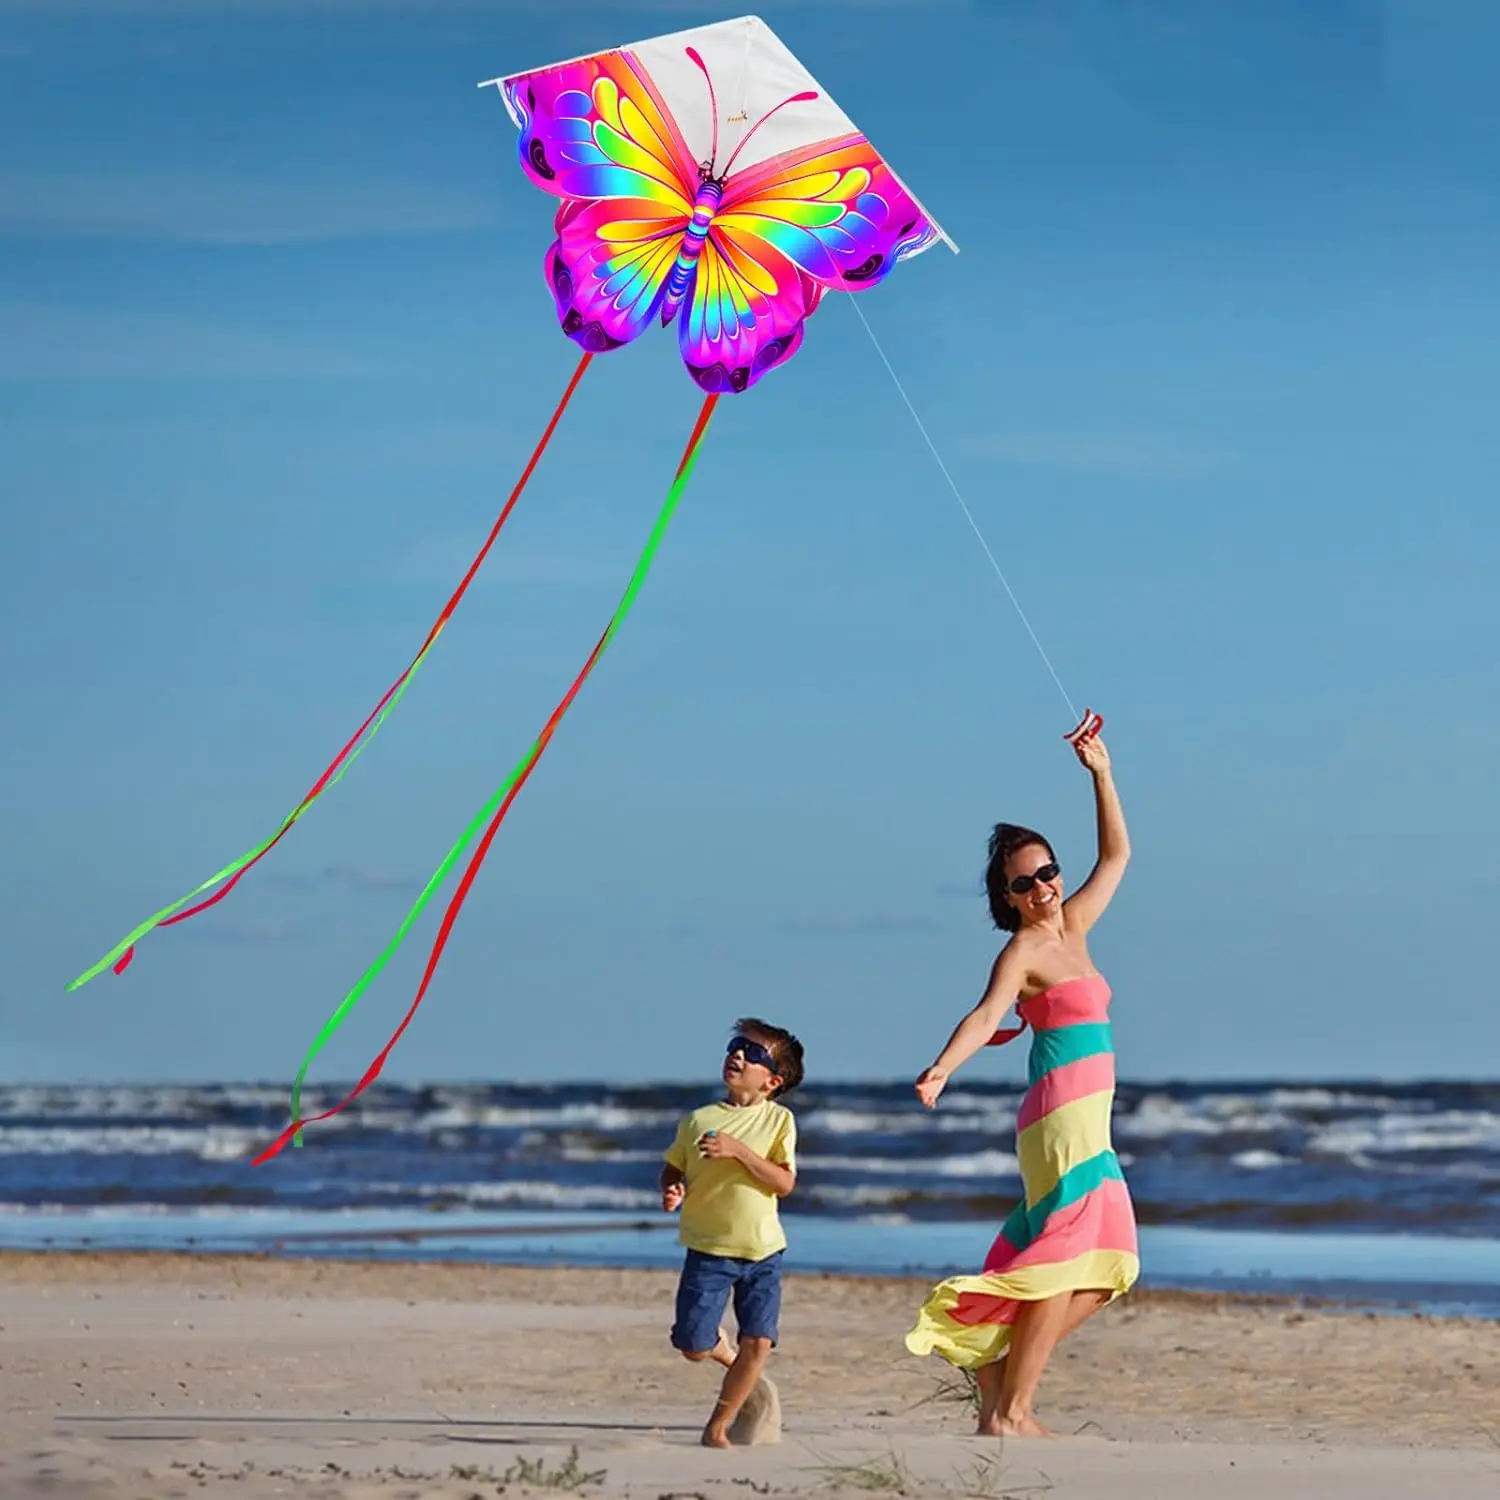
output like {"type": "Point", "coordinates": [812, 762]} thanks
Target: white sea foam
{"type": "Point", "coordinates": [996, 1120]}
{"type": "Point", "coordinates": [216, 1143]}
{"type": "Point", "coordinates": [1327, 1099]}
{"type": "Point", "coordinates": [537, 1194]}
{"type": "Point", "coordinates": [468, 1115]}
{"type": "Point", "coordinates": [1451, 1130]}
{"type": "Point", "coordinates": [854, 1197]}
{"type": "Point", "coordinates": [1157, 1116]}
{"type": "Point", "coordinates": [974, 1164]}
{"type": "Point", "coordinates": [1258, 1161]}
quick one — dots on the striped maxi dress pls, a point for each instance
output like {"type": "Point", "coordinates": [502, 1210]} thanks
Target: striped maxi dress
{"type": "Point", "coordinates": [1075, 1228]}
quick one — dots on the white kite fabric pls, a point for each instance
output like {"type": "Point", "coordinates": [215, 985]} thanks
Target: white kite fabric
{"type": "Point", "coordinates": [753, 73]}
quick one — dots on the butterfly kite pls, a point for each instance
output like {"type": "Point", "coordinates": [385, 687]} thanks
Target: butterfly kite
{"type": "Point", "coordinates": [704, 180]}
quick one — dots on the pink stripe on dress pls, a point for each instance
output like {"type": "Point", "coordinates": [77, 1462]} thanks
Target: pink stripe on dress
{"type": "Point", "coordinates": [1075, 1080]}
{"type": "Point", "coordinates": [1101, 1220]}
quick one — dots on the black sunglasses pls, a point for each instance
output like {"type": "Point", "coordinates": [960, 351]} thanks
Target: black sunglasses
{"type": "Point", "coordinates": [752, 1052]}
{"type": "Point", "coordinates": [1023, 883]}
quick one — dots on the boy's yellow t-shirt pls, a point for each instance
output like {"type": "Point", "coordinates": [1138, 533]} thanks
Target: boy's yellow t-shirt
{"type": "Point", "coordinates": [726, 1211]}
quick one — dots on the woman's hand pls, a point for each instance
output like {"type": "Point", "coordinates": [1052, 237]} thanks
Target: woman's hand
{"type": "Point", "coordinates": [1090, 750]}
{"type": "Point", "coordinates": [930, 1085]}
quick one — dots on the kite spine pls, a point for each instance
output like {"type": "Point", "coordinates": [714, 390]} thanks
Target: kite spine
{"type": "Point", "coordinates": [493, 813]}
{"type": "Point", "coordinates": [120, 956]}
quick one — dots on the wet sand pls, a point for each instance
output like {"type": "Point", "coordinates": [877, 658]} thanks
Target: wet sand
{"type": "Point", "coordinates": [147, 1377]}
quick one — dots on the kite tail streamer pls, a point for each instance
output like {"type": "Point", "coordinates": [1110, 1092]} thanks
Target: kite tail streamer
{"type": "Point", "coordinates": [119, 957]}
{"type": "Point", "coordinates": [494, 811]}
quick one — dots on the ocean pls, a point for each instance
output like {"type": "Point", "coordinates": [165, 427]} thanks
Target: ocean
{"type": "Point", "coordinates": [1384, 1195]}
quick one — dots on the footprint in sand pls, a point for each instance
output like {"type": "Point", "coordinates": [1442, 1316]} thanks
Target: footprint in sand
{"type": "Point", "coordinates": [759, 1419]}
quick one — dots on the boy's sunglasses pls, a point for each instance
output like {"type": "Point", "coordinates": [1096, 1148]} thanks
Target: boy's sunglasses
{"type": "Point", "coordinates": [752, 1052]}
{"type": "Point", "coordinates": [1023, 883]}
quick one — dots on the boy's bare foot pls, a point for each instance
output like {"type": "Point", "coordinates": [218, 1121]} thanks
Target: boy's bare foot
{"type": "Point", "coordinates": [759, 1421]}
{"type": "Point", "coordinates": [714, 1436]}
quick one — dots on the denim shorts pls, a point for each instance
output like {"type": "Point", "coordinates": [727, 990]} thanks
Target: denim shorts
{"type": "Point", "coordinates": [704, 1291]}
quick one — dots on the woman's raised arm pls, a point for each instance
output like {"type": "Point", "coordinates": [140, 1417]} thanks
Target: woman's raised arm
{"type": "Point", "coordinates": [1086, 905]}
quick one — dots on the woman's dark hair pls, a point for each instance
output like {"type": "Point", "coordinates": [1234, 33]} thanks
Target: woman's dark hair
{"type": "Point", "coordinates": [1005, 841]}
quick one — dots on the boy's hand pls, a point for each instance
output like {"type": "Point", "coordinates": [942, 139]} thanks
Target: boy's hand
{"type": "Point", "coordinates": [780, 1178]}
{"type": "Point", "coordinates": [714, 1144]}
{"type": "Point", "coordinates": [672, 1196]}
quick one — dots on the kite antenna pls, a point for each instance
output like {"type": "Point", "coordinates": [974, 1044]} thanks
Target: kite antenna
{"type": "Point", "coordinates": [1084, 721]}
{"type": "Point", "coordinates": [802, 98]}
{"type": "Point", "coordinates": [713, 106]}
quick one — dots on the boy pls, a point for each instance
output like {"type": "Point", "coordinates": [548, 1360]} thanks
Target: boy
{"type": "Point", "coordinates": [729, 1164]}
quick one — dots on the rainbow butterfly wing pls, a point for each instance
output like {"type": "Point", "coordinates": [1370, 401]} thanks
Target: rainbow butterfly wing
{"type": "Point", "coordinates": [744, 314]}
{"type": "Point", "coordinates": [607, 272]}
{"type": "Point", "coordinates": [829, 217]}
{"type": "Point", "coordinates": [598, 135]}
{"type": "Point", "coordinates": [835, 210]}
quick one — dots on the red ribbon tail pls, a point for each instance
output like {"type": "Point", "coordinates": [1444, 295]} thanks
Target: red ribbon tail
{"type": "Point", "coordinates": [1006, 1034]}
{"type": "Point", "coordinates": [124, 960]}
{"type": "Point", "coordinates": [279, 1144]}
{"type": "Point", "coordinates": [471, 870]}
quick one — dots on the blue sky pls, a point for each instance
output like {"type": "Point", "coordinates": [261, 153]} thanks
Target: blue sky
{"type": "Point", "coordinates": [1216, 372]}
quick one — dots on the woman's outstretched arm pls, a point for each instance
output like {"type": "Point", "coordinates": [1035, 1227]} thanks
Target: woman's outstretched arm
{"type": "Point", "coordinates": [1086, 905]}
{"type": "Point", "coordinates": [978, 1026]}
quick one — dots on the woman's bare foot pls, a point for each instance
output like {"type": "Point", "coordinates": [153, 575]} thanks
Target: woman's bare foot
{"type": "Point", "coordinates": [714, 1436]}
{"type": "Point", "coordinates": [1016, 1424]}
{"type": "Point", "coordinates": [1022, 1426]}
{"type": "Point", "coordinates": [991, 1382]}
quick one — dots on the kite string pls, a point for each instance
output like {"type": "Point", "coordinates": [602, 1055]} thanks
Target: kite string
{"type": "Point", "coordinates": [494, 810]}
{"type": "Point", "coordinates": [999, 573]}
{"type": "Point", "coordinates": [120, 956]}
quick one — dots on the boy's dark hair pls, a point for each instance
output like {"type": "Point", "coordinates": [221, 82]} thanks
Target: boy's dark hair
{"type": "Point", "coordinates": [785, 1048]}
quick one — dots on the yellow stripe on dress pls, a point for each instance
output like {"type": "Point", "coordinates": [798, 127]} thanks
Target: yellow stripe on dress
{"type": "Point", "coordinates": [1073, 1133]}
{"type": "Point", "coordinates": [970, 1345]}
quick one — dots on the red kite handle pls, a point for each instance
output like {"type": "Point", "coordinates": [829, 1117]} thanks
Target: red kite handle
{"type": "Point", "coordinates": [1086, 728]}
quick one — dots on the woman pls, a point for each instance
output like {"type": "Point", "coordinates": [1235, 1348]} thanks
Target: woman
{"type": "Point", "coordinates": [1070, 1246]}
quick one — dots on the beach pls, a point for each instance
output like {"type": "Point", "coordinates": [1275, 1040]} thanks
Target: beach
{"type": "Point", "coordinates": [149, 1376]}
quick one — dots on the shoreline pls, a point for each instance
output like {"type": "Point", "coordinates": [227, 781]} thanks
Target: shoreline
{"type": "Point", "coordinates": [92, 1264]}
{"type": "Point", "coordinates": [143, 1373]}
{"type": "Point", "coordinates": [1395, 1274]}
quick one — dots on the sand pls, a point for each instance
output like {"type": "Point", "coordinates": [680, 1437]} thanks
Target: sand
{"type": "Point", "coordinates": [147, 1377]}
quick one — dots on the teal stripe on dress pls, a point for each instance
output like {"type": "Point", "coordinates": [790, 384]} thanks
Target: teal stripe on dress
{"type": "Point", "coordinates": [1073, 1185]}
{"type": "Point", "coordinates": [1017, 1228]}
{"type": "Point", "coordinates": [1066, 1044]}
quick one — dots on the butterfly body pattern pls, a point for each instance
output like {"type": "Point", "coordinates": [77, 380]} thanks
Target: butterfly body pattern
{"type": "Point", "coordinates": [684, 271]}
{"type": "Point", "coordinates": [645, 232]}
